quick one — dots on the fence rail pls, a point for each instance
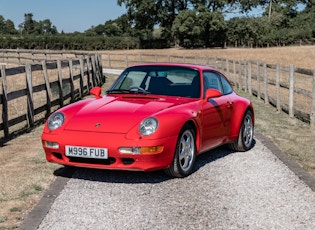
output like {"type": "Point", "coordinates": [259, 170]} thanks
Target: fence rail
{"type": "Point", "coordinates": [289, 89]}
{"type": "Point", "coordinates": [35, 86]}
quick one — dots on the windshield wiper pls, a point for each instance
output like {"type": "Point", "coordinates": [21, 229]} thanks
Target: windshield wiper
{"type": "Point", "coordinates": [137, 89]}
{"type": "Point", "coordinates": [118, 91]}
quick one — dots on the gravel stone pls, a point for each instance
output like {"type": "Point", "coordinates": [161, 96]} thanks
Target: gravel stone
{"type": "Point", "coordinates": [228, 190]}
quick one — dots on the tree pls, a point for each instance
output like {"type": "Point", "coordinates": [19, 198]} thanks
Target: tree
{"type": "Point", "coordinates": [10, 28]}
{"type": "Point", "coordinates": [117, 27]}
{"type": "Point", "coordinates": [142, 15]}
{"type": "Point", "coordinates": [7, 26]}
{"type": "Point", "coordinates": [199, 27]}
{"type": "Point", "coordinates": [47, 28]}
{"type": "Point", "coordinates": [29, 24]}
{"type": "Point", "coordinates": [2, 25]}
{"type": "Point", "coordinates": [185, 28]}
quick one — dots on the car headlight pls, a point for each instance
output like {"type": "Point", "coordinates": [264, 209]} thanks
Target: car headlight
{"type": "Point", "coordinates": [55, 120]}
{"type": "Point", "coordinates": [148, 126]}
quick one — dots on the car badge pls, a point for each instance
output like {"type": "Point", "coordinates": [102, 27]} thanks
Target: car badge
{"type": "Point", "coordinates": [97, 125]}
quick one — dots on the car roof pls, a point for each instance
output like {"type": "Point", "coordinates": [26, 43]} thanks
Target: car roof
{"type": "Point", "coordinates": [193, 66]}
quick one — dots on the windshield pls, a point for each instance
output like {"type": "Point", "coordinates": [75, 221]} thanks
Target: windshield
{"type": "Point", "coordinates": [159, 80]}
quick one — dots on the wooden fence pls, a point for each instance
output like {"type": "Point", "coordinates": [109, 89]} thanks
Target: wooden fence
{"type": "Point", "coordinates": [38, 83]}
{"type": "Point", "coordinates": [289, 89]}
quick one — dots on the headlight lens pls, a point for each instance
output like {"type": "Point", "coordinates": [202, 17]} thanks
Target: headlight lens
{"type": "Point", "coordinates": [56, 120]}
{"type": "Point", "coordinates": [148, 126]}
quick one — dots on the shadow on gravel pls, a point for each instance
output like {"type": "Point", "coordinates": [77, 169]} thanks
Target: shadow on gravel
{"type": "Point", "coordinates": [213, 155]}
{"type": "Point", "coordinates": [136, 177]}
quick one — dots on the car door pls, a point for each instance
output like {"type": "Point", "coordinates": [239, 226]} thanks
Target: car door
{"type": "Point", "coordinates": [216, 112]}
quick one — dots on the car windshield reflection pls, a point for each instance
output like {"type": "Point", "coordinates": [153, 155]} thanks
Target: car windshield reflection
{"type": "Point", "coordinates": [159, 80]}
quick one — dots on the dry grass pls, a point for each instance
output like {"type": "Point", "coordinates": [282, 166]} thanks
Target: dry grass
{"type": "Point", "coordinates": [24, 176]}
{"type": "Point", "coordinates": [300, 56]}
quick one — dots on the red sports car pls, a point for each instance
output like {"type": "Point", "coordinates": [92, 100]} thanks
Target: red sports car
{"type": "Point", "coordinates": [154, 116]}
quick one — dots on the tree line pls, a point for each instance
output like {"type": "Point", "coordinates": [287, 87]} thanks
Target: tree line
{"type": "Point", "coordinates": [184, 23]}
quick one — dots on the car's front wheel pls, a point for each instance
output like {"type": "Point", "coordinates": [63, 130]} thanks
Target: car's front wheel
{"type": "Point", "coordinates": [185, 154]}
{"type": "Point", "coordinates": [246, 134]}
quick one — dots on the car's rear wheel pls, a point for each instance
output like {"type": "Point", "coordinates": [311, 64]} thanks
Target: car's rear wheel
{"type": "Point", "coordinates": [185, 154]}
{"type": "Point", "coordinates": [246, 134]}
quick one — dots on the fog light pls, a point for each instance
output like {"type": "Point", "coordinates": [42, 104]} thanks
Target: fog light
{"type": "Point", "coordinates": [129, 150]}
{"type": "Point", "coordinates": [141, 150]}
{"type": "Point", "coordinates": [49, 144]}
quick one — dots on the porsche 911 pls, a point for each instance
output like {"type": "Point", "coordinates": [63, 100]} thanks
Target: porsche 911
{"type": "Point", "coordinates": [158, 116]}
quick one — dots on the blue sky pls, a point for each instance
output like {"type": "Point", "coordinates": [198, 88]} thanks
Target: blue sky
{"type": "Point", "coordinates": [66, 15]}
{"type": "Point", "coordinates": [70, 15]}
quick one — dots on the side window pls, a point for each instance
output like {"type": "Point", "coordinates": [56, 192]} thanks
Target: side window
{"type": "Point", "coordinates": [214, 80]}
{"type": "Point", "coordinates": [227, 89]}
{"type": "Point", "coordinates": [211, 80]}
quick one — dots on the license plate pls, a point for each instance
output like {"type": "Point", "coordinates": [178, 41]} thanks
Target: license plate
{"type": "Point", "coordinates": [86, 152]}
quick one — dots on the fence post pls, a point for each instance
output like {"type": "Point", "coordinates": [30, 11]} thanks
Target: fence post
{"type": "Point", "coordinates": [60, 83]}
{"type": "Point", "coordinates": [5, 118]}
{"type": "Point", "coordinates": [222, 64]}
{"type": "Point", "coordinates": [89, 74]}
{"type": "Point", "coordinates": [266, 84]}
{"type": "Point", "coordinates": [278, 88]}
{"type": "Point", "coordinates": [81, 77]}
{"type": "Point", "coordinates": [227, 67]}
{"type": "Point", "coordinates": [126, 59]}
{"type": "Point", "coordinates": [234, 73]}
{"type": "Point", "coordinates": [29, 91]}
{"type": "Point", "coordinates": [313, 104]}
{"type": "Point", "coordinates": [48, 90]}
{"type": "Point", "coordinates": [109, 64]}
{"type": "Point", "coordinates": [99, 66]}
{"type": "Point", "coordinates": [291, 91]}
{"type": "Point", "coordinates": [258, 79]}
{"type": "Point", "coordinates": [240, 75]}
{"type": "Point", "coordinates": [71, 80]}
{"type": "Point", "coordinates": [95, 76]}
{"type": "Point", "coordinates": [250, 77]}
{"type": "Point", "coordinates": [245, 77]}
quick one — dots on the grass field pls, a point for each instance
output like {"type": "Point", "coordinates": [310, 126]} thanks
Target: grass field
{"type": "Point", "coordinates": [25, 175]}
{"type": "Point", "coordinates": [300, 56]}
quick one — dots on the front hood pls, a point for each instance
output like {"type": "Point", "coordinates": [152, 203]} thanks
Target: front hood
{"type": "Point", "coordinates": [118, 114]}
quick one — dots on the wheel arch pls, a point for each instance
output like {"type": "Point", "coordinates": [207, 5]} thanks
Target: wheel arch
{"type": "Point", "coordinates": [237, 118]}
{"type": "Point", "coordinates": [196, 129]}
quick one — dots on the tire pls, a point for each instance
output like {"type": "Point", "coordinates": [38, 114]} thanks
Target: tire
{"type": "Point", "coordinates": [245, 138]}
{"type": "Point", "coordinates": [185, 154]}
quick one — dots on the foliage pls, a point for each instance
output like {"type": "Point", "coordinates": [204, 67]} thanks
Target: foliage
{"type": "Point", "coordinates": [165, 23]}
{"type": "Point", "coordinates": [66, 42]}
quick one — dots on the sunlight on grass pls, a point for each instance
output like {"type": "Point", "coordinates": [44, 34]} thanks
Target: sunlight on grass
{"type": "Point", "coordinates": [291, 135]}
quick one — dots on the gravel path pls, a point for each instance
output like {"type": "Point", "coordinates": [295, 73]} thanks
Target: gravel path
{"type": "Point", "coordinates": [252, 190]}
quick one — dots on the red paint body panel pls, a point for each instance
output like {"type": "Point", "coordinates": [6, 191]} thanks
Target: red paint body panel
{"type": "Point", "coordinates": [112, 122]}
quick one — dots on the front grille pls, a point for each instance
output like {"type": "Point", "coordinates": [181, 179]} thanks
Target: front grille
{"type": "Point", "coordinates": [108, 161]}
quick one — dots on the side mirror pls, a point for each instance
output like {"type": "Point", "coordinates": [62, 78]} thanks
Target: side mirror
{"type": "Point", "coordinates": [212, 93]}
{"type": "Point", "coordinates": [96, 91]}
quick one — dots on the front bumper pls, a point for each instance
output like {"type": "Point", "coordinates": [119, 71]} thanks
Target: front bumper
{"type": "Point", "coordinates": [111, 141]}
